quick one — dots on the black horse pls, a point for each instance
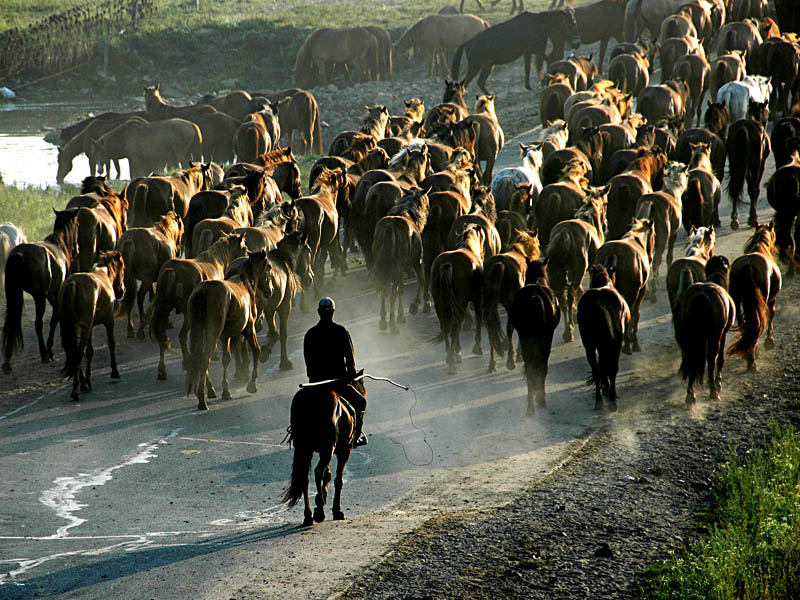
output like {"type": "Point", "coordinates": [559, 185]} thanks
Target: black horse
{"type": "Point", "coordinates": [748, 148]}
{"type": "Point", "coordinates": [524, 35]}
{"type": "Point", "coordinates": [535, 315]}
{"type": "Point", "coordinates": [783, 194]}
{"type": "Point", "coordinates": [603, 317]}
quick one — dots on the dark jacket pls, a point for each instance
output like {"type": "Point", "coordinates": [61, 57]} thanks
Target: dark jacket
{"type": "Point", "coordinates": [329, 353]}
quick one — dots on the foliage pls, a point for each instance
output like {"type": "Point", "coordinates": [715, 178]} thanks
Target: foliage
{"type": "Point", "coordinates": [32, 207]}
{"type": "Point", "coordinates": [752, 549]}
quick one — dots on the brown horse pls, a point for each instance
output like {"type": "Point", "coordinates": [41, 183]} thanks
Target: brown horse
{"type": "Point", "coordinates": [156, 196]}
{"type": "Point", "coordinates": [699, 248]}
{"type": "Point", "coordinates": [524, 35]}
{"type": "Point", "coordinates": [291, 269]}
{"type": "Point", "coordinates": [484, 215]}
{"type": "Point", "coordinates": [551, 100]}
{"type": "Point", "coordinates": [397, 247]}
{"type": "Point", "coordinates": [100, 227]}
{"type": "Point", "coordinates": [504, 276]}
{"type": "Point", "coordinates": [667, 100]}
{"type": "Point", "coordinates": [580, 71]}
{"type": "Point", "coordinates": [603, 319]}
{"type": "Point", "coordinates": [237, 214]}
{"type": "Point", "coordinates": [664, 208]}
{"type": "Point", "coordinates": [490, 138]}
{"type": "Point", "coordinates": [218, 311]}
{"type": "Point", "coordinates": [748, 148]}
{"type": "Point", "coordinates": [39, 269]}
{"type": "Point", "coordinates": [783, 194]}
{"type": "Point", "coordinates": [144, 251]}
{"type": "Point", "coordinates": [589, 149]}
{"type": "Point", "coordinates": [694, 69]}
{"type": "Point", "coordinates": [702, 321]}
{"type": "Point", "coordinates": [558, 201]}
{"type": "Point", "coordinates": [158, 110]}
{"type": "Point", "coordinates": [631, 256]}
{"type": "Point", "coordinates": [455, 282]}
{"type": "Point", "coordinates": [534, 314]}
{"type": "Point", "coordinates": [251, 139]}
{"type": "Point", "coordinates": [724, 69]}
{"type": "Point", "coordinates": [755, 283]}
{"type": "Point", "coordinates": [571, 251]}
{"type": "Point", "coordinates": [176, 280]}
{"type": "Point", "coordinates": [86, 300]}
{"type": "Point", "coordinates": [642, 176]}
{"type": "Point", "coordinates": [630, 72]}
{"type": "Point", "coordinates": [299, 112]}
{"type": "Point", "coordinates": [703, 191]}
{"type": "Point", "coordinates": [324, 48]}
{"type": "Point", "coordinates": [319, 423]}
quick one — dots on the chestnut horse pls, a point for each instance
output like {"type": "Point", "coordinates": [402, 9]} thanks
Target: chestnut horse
{"type": "Point", "coordinates": [86, 300]}
{"type": "Point", "coordinates": [39, 269]}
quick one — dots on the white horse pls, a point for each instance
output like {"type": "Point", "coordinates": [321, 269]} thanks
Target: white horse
{"type": "Point", "coordinates": [648, 14]}
{"type": "Point", "coordinates": [508, 183]}
{"type": "Point", "coordinates": [11, 236]}
{"type": "Point", "coordinates": [737, 94]}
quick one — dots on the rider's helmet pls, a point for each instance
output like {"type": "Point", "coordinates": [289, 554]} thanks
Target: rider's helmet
{"type": "Point", "coordinates": [326, 305]}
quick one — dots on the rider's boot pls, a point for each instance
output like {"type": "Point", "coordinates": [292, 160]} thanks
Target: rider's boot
{"type": "Point", "coordinates": [359, 437]}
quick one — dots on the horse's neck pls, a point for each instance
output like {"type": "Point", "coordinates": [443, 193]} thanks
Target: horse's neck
{"type": "Point", "coordinates": [673, 188]}
{"type": "Point", "coordinates": [703, 163]}
{"type": "Point", "coordinates": [697, 251]}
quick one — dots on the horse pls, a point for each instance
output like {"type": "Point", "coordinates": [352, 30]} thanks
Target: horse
{"type": "Point", "coordinates": [176, 280]}
{"type": "Point", "coordinates": [641, 14]}
{"type": "Point", "coordinates": [589, 149]}
{"type": "Point", "coordinates": [783, 130]}
{"type": "Point", "coordinates": [438, 35]}
{"type": "Point", "coordinates": [237, 214]}
{"type": "Point", "coordinates": [630, 72]}
{"type": "Point", "coordinates": [324, 48]}
{"type": "Point", "coordinates": [755, 282]}
{"type": "Point", "coordinates": [219, 310]}
{"type": "Point", "coordinates": [158, 110]}
{"type": "Point", "coordinates": [320, 423]}
{"type": "Point", "coordinates": [571, 251]}
{"type": "Point", "coordinates": [667, 100]}
{"type": "Point", "coordinates": [251, 139]}
{"type": "Point", "coordinates": [783, 194]}
{"type": "Point", "coordinates": [632, 256]}
{"type": "Point", "coordinates": [39, 269]}
{"type": "Point", "coordinates": [558, 201]}
{"type": "Point", "coordinates": [455, 282]}
{"type": "Point", "coordinates": [504, 275]}
{"type": "Point", "coordinates": [597, 22]}
{"type": "Point", "coordinates": [737, 95]}
{"type": "Point", "coordinates": [724, 69]}
{"type": "Point", "coordinates": [86, 300]}
{"type": "Point", "coordinates": [484, 215]}
{"type": "Point", "coordinates": [490, 137]}
{"type": "Point", "coordinates": [702, 196]}
{"type": "Point", "coordinates": [397, 247]}
{"type": "Point", "coordinates": [702, 320]}
{"type": "Point", "coordinates": [743, 36]}
{"type": "Point", "coordinates": [642, 176]}
{"type": "Point", "coordinates": [100, 228]}
{"type": "Point", "coordinates": [156, 196]}
{"type": "Point", "coordinates": [664, 208]}
{"type": "Point", "coordinates": [534, 314]}
{"type": "Point", "coordinates": [714, 134]}
{"type": "Point", "coordinates": [291, 269]}
{"type": "Point", "coordinates": [299, 112]}
{"type": "Point", "coordinates": [748, 148]}
{"type": "Point", "coordinates": [144, 251]}
{"type": "Point", "coordinates": [11, 236]}
{"type": "Point", "coordinates": [526, 35]}
{"type": "Point", "coordinates": [694, 69]}
{"type": "Point", "coordinates": [551, 100]}
{"type": "Point", "coordinates": [700, 246]}
{"type": "Point", "coordinates": [603, 319]}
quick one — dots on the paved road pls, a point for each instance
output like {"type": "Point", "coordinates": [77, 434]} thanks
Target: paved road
{"type": "Point", "coordinates": [132, 493]}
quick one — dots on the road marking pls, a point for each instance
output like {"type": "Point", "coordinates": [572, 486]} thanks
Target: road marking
{"type": "Point", "coordinates": [16, 410]}
{"type": "Point", "coordinates": [215, 441]}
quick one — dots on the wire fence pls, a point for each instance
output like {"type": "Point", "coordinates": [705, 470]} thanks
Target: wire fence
{"type": "Point", "coordinates": [68, 38]}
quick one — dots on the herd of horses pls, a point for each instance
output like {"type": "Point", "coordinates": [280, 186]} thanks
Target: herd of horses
{"type": "Point", "coordinates": [602, 190]}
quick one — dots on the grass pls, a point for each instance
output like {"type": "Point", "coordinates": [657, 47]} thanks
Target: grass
{"type": "Point", "coordinates": [32, 207]}
{"type": "Point", "coordinates": [752, 548]}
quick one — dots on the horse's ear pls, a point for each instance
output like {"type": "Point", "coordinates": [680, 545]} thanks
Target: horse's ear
{"type": "Point", "coordinates": [545, 260]}
{"type": "Point", "coordinates": [447, 81]}
{"type": "Point", "coordinates": [771, 226]}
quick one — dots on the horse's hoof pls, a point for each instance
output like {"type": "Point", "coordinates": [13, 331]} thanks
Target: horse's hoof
{"type": "Point", "coordinates": [713, 396]}
{"type": "Point", "coordinates": [492, 368]}
{"type": "Point", "coordinates": [339, 516]}
{"type": "Point", "coordinates": [252, 388]}
{"type": "Point", "coordinates": [541, 402]}
{"type": "Point", "coordinates": [394, 328]}
{"type": "Point", "coordinates": [162, 375]}
{"type": "Point", "coordinates": [511, 365]}
{"type": "Point", "coordinates": [626, 349]}
{"type": "Point", "coordinates": [75, 395]}
{"type": "Point", "coordinates": [459, 358]}
{"type": "Point", "coordinates": [414, 308]}
{"type": "Point", "coordinates": [263, 356]}
{"type": "Point", "coordinates": [140, 335]}
{"type": "Point", "coordinates": [382, 325]}
{"type": "Point", "coordinates": [452, 370]}
{"type": "Point", "coordinates": [308, 522]}
{"type": "Point", "coordinates": [212, 393]}
{"type": "Point", "coordinates": [689, 399]}
{"type": "Point", "coordinates": [531, 410]}
{"type": "Point", "coordinates": [769, 344]}
{"type": "Point", "coordinates": [612, 406]}
{"type": "Point", "coordinates": [286, 365]}
{"type": "Point", "coordinates": [477, 350]}
{"type": "Point", "coordinates": [567, 337]}
{"type": "Point", "coordinates": [115, 374]}
{"type": "Point", "coordinates": [202, 406]}
{"type": "Point", "coordinates": [637, 347]}
{"type": "Point", "coordinates": [319, 515]}
{"type": "Point", "coordinates": [426, 308]}
{"type": "Point", "coordinates": [226, 395]}
{"type": "Point", "coordinates": [734, 224]}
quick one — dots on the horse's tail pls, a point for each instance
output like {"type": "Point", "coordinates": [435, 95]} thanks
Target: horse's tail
{"type": "Point", "coordinates": [694, 339]}
{"type": "Point", "coordinates": [754, 314]}
{"type": "Point", "coordinates": [202, 242]}
{"type": "Point", "coordinates": [718, 73]}
{"type": "Point", "coordinates": [316, 144]}
{"type": "Point", "coordinates": [12, 327]}
{"type": "Point", "coordinates": [631, 17]}
{"type": "Point", "coordinates": [444, 300]}
{"type": "Point", "coordinates": [140, 205]}
{"type": "Point", "coordinates": [384, 257]}
{"type": "Point", "coordinates": [551, 109]}
{"type": "Point", "coordinates": [67, 319]}
{"type": "Point", "coordinates": [457, 61]}
{"type": "Point", "coordinates": [299, 480]}
{"type": "Point", "coordinates": [88, 234]}
{"type": "Point", "coordinates": [739, 149]}
{"type": "Point", "coordinates": [159, 309]}
{"type": "Point", "coordinates": [492, 288]}
{"type": "Point", "coordinates": [558, 249]}
{"type": "Point", "coordinates": [685, 279]}
{"type": "Point", "coordinates": [693, 204]}
{"type": "Point", "coordinates": [617, 74]}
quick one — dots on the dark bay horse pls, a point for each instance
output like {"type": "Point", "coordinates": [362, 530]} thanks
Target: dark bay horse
{"type": "Point", "coordinates": [455, 282]}
{"type": "Point", "coordinates": [396, 247]}
{"type": "Point", "coordinates": [535, 315]}
{"type": "Point", "coordinates": [783, 194]}
{"type": "Point", "coordinates": [524, 35]}
{"type": "Point", "coordinates": [86, 300]}
{"type": "Point", "coordinates": [219, 310]}
{"type": "Point", "coordinates": [503, 277]}
{"type": "Point", "coordinates": [39, 269]}
{"type": "Point", "coordinates": [100, 227]}
{"type": "Point", "coordinates": [603, 318]}
{"type": "Point", "coordinates": [699, 248]}
{"type": "Point", "coordinates": [748, 148]}
{"type": "Point", "coordinates": [755, 282]}
{"type": "Point", "coordinates": [702, 321]}
{"type": "Point", "coordinates": [319, 423]}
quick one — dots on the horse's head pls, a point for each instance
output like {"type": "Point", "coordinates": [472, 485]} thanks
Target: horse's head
{"type": "Point", "coordinates": [676, 178]}
{"type": "Point", "coordinates": [570, 30]}
{"type": "Point", "coordinates": [717, 269]}
{"type": "Point", "coordinates": [454, 92]}
{"type": "Point", "coordinates": [645, 135]}
{"type": "Point", "coordinates": [115, 267]}
{"type": "Point", "coordinates": [758, 111]}
{"type": "Point", "coordinates": [415, 109]}
{"type": "Point", "coordinates": [532, 155]}
{"type": "Point", "coordinates": [600, 276]}
{"type": "Point", "coordinates": [64, 166]}
{"type": "Point", "coordinates": [536, 271]}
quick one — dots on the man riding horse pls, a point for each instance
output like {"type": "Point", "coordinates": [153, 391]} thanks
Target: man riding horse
{"type": "Point", "coordinates": [329, 356]}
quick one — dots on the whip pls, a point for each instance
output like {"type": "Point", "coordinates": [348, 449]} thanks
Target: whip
{"type": "Point", "coordinates": [362, 376]}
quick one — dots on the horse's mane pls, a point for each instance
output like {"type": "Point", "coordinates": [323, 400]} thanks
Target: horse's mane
{"type": "Point", "coordinates": [599, 277]}
{"type": "Point", "coordinates": [95, 184]}
{"type": "Point", "coordinates": [603, 86]}
{"type": "Point", "coordinates": [275, 157]}
{"type": "Point", "coordinates": [575, 170]}
{"type": "Point", "coordinates": [65, 230]}
{"type": "Point", "coordinates": [170, 225]}
{"type": "Point", "coordinates": [239, 201]}
{"type": "Point", "coordinates": [221, 251]}
{"type": "Point", "coordinates": [277, 215]}
{"type": "Point", "coordinates": [415, 206]}
{"type": "Point", "coordinates": [112, 261]}
{"type": "Point", "coordinates": [762, 241]}
{"type": "Point", "coordinates": [483, 202]}
{"type": "Point", "coordinates": [470, 239]}
{"type": "Point", "coordinates": [537, 273]}
{"type": "Point", "coordinates": [527, 244]}
{"type": "Point", "coordinates": [375, 159]}
{"type": "Point", "coordinates": [114, 205]}
{"type": "Point", "coordinates": [718, 270]}
{"type": "Point", "coordinates": [586, 211]}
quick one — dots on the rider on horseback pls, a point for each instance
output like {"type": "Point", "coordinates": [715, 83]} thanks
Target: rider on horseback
{"type": "Point", "coordinates": [329, 354]}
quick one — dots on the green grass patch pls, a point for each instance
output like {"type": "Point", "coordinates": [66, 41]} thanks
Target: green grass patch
{"type": "Point", "coordinates": [31, 207]}
{"type": "Point", "coordinates": [752, 549]}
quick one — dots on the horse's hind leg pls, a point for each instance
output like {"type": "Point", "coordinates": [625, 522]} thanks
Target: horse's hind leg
{"type": "Point", "coordinates": [769, 343]}
{"type": "Point", "coordinates": [226, 361]}
{"type": "Point", "coordinates": [38, 324]}
{"type": "Point", "coordinates": [86, 375]}
{"type": "Point", "coordinates": [477, 349]}
{"type": "Point", "coordinates": [712, 353]}
{"type": "Point", "coordinates": [414, 306]}
{"type": "Point", "coordinates": [140, 295]}
{"type": "Point", "coordinates": [112, 349]}
{"type": "Point", "coordinates": [322, 475]}
{"type": "Point", "coordinates": [382, 323]}
{"type": "Point", "coordinates": [510, 363]}
{"type": "Point", "coordinates": [752, 191]}
{"type": "Point", "coordinates": [393, 294]}
{"type": "Point", "coordinates": [338, 482]}
{"type": "Point", "coordinates": [286, 364]}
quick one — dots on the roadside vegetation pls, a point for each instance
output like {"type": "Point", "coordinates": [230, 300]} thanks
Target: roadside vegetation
{"type": "Point", "coordinates": [31, 207]}
{"type": "Point", "coordinates": [750, 547]}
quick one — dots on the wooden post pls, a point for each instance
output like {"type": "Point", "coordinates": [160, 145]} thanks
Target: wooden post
{"type": "Point", "coordinates": [106, 46]}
